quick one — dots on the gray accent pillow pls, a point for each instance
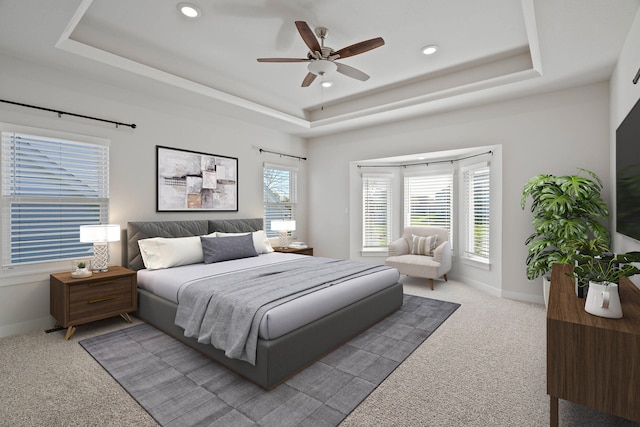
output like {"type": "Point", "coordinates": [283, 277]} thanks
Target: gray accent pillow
{"type": "Point", "coordinates": [216, 249]}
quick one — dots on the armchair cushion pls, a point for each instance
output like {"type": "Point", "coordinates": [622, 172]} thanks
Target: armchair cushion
{"type": "Point", "coordinates": [423, 245]}
{"type": "Point", "coordinates": [415, 265]}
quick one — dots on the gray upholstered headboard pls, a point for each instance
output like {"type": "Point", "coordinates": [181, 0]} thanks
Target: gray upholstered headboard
{"type": "Point", "coordinates": [138, 230]}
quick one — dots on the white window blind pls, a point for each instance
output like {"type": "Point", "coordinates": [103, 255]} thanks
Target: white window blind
{"type": "Point", "coordinates": [376, 209]}
{"type": "Point", "coordinates": [476, 209]}
{"type": "Point", "coordinates": [280, 195]}
{"type": "Point", "coordinates": [49, 188]}
{"type": "Point", "coordinates": [428, 200]}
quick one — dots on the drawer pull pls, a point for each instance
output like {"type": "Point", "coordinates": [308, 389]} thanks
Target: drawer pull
{"type": "Point", "coordinates": [107, 298]}
{"type": "Point", "coordinates": [104, 282]}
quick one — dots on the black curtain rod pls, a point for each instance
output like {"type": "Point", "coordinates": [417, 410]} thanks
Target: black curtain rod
{"type": "Point", "coordinates": [426, 163]}
{"type": "Point", "coordinates": [60, 113]}
{"type": "Point", "coordinates": [282, 154]}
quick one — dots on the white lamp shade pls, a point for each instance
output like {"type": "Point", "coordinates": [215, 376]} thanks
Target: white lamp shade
{"type": "Point", "coordinates": [99, 233]}
{"type": "Point", "coordinates": [283, 225]}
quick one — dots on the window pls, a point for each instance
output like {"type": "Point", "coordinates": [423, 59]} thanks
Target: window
{"type": "Point", "coordinates": [280, 194]}
{"type": "Point", "coordinates": [428, 200]}
{"type": "Point", "coordinates": [49, 188]}
{"type": "Point", "coordinates": [476, 210]}
{"type": "Point", "coordinates": [376, 211]}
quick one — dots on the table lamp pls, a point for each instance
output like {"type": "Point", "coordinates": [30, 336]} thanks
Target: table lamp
{"type": "Point", "coordinates": [283, 227]}
{"type": "Point", "coordinates": [100, 235]}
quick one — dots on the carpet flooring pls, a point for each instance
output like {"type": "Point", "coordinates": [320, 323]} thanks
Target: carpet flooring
{"type": "Point", "coordinates": [179, 386]}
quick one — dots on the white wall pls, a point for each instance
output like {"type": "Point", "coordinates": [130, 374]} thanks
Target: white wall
{"type": "Point", "coordinates": [624, 95]}
{"type": "Point", "coordinates": [548, 133]}
{"type": "Point", "coordinates": [24, 300]}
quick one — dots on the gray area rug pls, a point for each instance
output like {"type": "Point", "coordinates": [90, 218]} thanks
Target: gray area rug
{"type": "Point", "coordinates": [178, 386]}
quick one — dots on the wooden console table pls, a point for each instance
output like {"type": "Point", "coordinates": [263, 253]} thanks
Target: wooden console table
{"type": "Point", "coordinates": [591, 360]}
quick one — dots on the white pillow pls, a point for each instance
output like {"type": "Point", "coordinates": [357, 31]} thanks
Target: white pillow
{"type": "Point", "coordinates": [162, 252]}
{"type": "Point", "coordinates": [260, 240]}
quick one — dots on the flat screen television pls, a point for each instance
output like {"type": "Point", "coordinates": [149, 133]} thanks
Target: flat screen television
{"type": "Point", "coordinates": [628, 175]}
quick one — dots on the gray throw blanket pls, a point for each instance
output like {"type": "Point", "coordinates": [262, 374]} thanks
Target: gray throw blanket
{"type": "Point", "coordinates": [226, 310]}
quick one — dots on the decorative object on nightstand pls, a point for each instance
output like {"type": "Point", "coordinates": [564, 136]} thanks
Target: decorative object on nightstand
{"type": "Point", "coordinates": [297, 245]}
{"type": "Point", "coordinates": [81, 269]}
{"type": "Point", "coordinates": [77, 301]}
{"type": "Point", "coordinates": [283, 227]}
{"type": "Point", "coordinates": [100, 235]}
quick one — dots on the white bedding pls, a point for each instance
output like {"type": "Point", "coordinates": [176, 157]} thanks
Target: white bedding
{"type": "Point", "coordinates": [169, 283]}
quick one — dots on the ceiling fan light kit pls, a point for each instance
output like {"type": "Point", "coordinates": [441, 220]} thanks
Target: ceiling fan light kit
{"type": "Point", "coordinates": [322, 67]}
{"type": "Point", "coordinates": [322, 58]}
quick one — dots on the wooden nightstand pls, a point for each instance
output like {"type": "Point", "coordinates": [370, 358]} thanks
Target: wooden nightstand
{"type": "Point", "coordinates": [301, 251]}
{"type": "Point", "coordinates": [77, 301]}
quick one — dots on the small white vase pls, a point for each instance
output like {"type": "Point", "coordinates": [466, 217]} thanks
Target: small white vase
{"type": "Point", "coordinates": [603, 300]}
{"type": "Point", "coordinates": [546, 287]}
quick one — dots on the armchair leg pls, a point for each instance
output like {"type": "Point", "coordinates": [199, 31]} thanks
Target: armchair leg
{"type": "Point", "coordinates": [445, 278]}
{"type": "Point", "coordinates": [431, 283]}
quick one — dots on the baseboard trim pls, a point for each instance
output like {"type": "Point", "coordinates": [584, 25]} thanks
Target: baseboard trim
{"type": "Point", "coordinates": [23, 327]}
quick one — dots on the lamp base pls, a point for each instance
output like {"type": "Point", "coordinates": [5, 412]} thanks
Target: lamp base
{"type": "Point", "coordinates": [283, 239]}
{"type": "Point", "coordinates": [100, 262]}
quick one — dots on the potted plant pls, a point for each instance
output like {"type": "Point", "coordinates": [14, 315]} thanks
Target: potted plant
{"type": "Point", "coordinates": [80, 269]}
{"type": "Point", "coordinates": [597, 246]}
{"type": "Point", "coordinates": [603, 274]}
{"type": "Point", "coordinates": [568, 212]}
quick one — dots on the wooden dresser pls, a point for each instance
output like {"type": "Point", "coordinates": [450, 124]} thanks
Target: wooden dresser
{"type": "Point", "coordinates": [77, 301]}
{"type": "Point", "coordinates": [591, 360]}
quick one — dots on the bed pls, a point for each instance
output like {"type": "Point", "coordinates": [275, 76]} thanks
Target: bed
{"type": "Point", "coordinates": [283, 347]}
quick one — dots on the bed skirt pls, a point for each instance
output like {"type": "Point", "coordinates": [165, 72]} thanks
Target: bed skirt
{"type": "Point", "coordinates": [281, 358]}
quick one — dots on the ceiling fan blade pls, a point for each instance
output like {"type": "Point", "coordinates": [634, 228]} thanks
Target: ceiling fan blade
{"type": "Point", "coordinates": [308, 79]}
{"type": "Point", "coordinates": [307, 35]}
{"type": "Point", "coordinates": [283, 60]}
{"type": "Point", "coordinates": [361, 47]}
{"type": "Point", "coordinates": [351, 72]}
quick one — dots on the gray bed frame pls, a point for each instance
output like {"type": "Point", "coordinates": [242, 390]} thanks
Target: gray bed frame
{"type": "Point", "coordinates": [276, 359]}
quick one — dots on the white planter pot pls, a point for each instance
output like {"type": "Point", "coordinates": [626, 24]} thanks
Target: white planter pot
{"type": "Point", "coordinates": [546, 286]}
{"type": "Point", "coordinates": [603, 300]}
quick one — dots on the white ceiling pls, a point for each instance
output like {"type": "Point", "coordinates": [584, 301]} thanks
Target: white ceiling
{"type": "Point", "coordinates": [489, 50]}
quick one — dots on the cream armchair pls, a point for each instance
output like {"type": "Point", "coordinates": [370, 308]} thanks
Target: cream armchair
{"type": "Point", "coordinates": [412, 260]}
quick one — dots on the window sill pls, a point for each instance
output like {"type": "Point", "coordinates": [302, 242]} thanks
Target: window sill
{"type": "Point", "coordinates": [21, 274]}
{"type": "Point", "coordinates": [477, 263]}
{"type": "Point", "coordinates": [374, 252]}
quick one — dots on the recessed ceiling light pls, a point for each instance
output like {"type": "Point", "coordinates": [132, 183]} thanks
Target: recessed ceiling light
{"type": "Point", "coordinates": [430, 49]}
{"type": "Point", "coordinates": [327, 84]}
{"type": "Point", "coordinates": [189, 10]}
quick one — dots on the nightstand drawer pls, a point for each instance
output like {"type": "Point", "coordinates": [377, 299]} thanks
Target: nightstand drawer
{"type": "Point", "coordinates": [100, 297]}
{"type": "Point", "coordinates": [99, 306]}
{"type": "Point", "coordinates": [94, 299]}
{"type": "Point", "coordinates": [99, 288]}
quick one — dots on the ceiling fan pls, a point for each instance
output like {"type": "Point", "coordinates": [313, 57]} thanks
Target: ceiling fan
{"type": "Point", "coordinates": [322, 59]}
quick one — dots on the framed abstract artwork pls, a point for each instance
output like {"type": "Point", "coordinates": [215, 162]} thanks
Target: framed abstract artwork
{"type": "Point", "coordinates": [192, 181]}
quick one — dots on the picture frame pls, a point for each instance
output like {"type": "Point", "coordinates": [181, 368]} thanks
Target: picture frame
{"type": "Point", "coordinates": [192, 181]}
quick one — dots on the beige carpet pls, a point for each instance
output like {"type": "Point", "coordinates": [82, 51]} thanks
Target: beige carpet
{"type": "Point", "coordinates": [485, 366]}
